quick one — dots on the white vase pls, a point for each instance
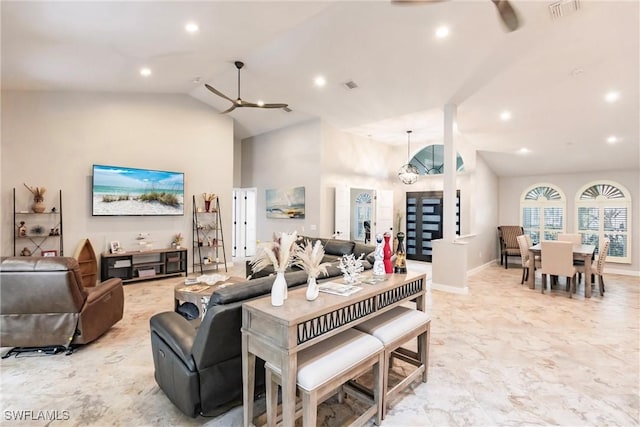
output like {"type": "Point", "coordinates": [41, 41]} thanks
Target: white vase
{"type": "Point", "coordinates": [312, 288]}
{"type": "Point", "coordinates": [278, 290]}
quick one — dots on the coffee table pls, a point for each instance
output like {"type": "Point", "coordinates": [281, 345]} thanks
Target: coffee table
{"type": "Point", "coordinates": [199, 293]}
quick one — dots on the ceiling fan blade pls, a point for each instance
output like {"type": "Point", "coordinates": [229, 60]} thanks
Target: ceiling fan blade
{"type": "Point", "coordinates": [217, 92]}
{"type": "Point", "coordinates": [507, 14]}
{"type": "Point", "coordinates": [230, 109]}
{"type": "Point", "coordinates": [275, 106]}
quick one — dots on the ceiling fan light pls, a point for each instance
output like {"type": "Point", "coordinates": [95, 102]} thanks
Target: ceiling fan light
{"type": "Point", "coordinates": [408, 174]}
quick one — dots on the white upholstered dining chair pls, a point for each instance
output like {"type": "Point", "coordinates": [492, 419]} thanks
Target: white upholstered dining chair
{"type": "Point", "coordinates": [524, 242]}
{"type": "Point", "coordinates": [575, 238]}
{"type": "Point", "coordinates": [557, 260]}
{"type": "Point", "coordinates": [597, 267]}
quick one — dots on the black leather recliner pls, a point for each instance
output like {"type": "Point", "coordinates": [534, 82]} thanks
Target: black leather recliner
{"type": "Point", "coordinates": [200, 370]}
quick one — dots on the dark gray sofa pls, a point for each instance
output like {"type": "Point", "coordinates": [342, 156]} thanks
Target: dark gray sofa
{"type": "Point", "coordinates": [200, 370]}
{"type": "Point", "coordinates": [334, 249]}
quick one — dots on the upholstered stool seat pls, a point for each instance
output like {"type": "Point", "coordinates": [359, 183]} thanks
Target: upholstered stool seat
{"type": "Point", "coordinates": [395, 328]}
{"type": "Point", "coordinates": [325, 367]}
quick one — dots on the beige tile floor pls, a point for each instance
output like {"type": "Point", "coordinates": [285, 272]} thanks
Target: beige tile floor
{"type": "Point", "coordinates": [501, 355]}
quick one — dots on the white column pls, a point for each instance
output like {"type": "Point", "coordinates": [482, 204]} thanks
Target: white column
{"type": "Point", "coordinates": [449, 262]}
{"type": "Point", "coordinates": [449, 183]}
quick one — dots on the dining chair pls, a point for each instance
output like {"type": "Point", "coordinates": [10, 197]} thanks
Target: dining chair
{"type": "Point", "coordinates": [557, 260]}
{"type": "Point", "coordinates": [524, 242]}
{"type": "Point", "coordinates": [575, 238]}
{"type": "Point", "coordinates": [508, 243]}
{"type": "Point", "coordinates": [597, 267]}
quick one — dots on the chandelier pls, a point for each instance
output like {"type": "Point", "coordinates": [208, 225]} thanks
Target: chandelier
{"type": "Point", "coordinates": [408, 173]}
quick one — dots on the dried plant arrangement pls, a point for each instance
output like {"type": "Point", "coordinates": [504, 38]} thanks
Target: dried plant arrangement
{"type": "Point", "coordinates": [279, 252]}
{"type": "Point", "coordinates": [309, 258]}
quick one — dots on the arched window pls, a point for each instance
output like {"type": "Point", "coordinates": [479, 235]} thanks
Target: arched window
{"type": "Point", "coordinates": [542, 212]}
{"type": "Point", "coordinates": [430, 160]}
{"type": "Point", "coordinates": [603, 209]}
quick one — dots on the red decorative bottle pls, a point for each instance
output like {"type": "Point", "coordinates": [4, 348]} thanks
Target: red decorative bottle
{"type": "Point", "coordinates": [388, 267]}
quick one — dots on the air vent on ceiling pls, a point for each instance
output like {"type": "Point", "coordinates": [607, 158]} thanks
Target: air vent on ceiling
{"type": "Point", "coordinates": [350, 84]}
{"type": "Point", "coordinates": [561, 8]}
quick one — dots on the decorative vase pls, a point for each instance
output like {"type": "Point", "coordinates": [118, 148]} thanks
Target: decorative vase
{"type": "Point", "coordinates": [388, 267]}
{"type": "Point", "coordinates": [312, 288]}
{"type": "Point", "coordinates": [207, 205]}
{"type": "Point", "coordinates": [38, 206]}
{"type": "Point", "coordinates": [278, 289]}
{"type": "Point", "coordinates": [378, 264]}
{"type": "Point", "coordinates": [400, 264]}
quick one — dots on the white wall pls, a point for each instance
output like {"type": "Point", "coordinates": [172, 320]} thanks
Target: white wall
{"type": "Point", "coordinates": [511, 189]}
{"type": "Point", "coordinates": [52, 139]}
{"type": "Point", "coordinates": [285, 158]}
{"type": "Point", "coordinates": [353, 161]}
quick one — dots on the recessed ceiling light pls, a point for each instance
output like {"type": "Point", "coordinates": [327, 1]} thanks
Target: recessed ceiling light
{"type": "Point", "coordinates": [524, 150]}
{"type": "Point", "coordinates": [191, 27]}
{"type": "Point", "coordinates": [505, 116]}
{"type": "Point", "coordinates": [260, 103]}
{"type": "Point", "coordinates": [612, 96]}
{"type": "Point", "coordinates": [320, 81]}
{"type": "Point", "coordinates": [442, 32]}
{"type": "Point", "coordinates": [145, 72]}
{"type": "Point", "coordinates": [612, 139]}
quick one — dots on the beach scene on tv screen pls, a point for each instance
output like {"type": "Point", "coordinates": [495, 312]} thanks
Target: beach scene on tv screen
{"type": "Point", "coordinates": [129, 191]}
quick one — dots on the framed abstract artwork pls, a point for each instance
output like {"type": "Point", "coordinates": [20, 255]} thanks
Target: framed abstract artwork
{"type": "Point", "coordinates": [285, 202]}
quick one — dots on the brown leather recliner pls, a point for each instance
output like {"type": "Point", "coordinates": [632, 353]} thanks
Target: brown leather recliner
{"type": "Point", "coordinates": [43, 303]}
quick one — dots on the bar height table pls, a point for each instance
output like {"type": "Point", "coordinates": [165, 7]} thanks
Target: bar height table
{"type": "Point", "coordinates": [277, 334]}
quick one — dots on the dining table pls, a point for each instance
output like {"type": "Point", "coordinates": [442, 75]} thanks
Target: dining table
{"type": "Point", "coordinates": [277, 333]}
{"type": "Point", "coordinates": [580, 252]}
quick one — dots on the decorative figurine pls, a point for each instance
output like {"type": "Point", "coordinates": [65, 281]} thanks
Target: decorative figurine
{"type": "Point", "coordinates": [25, 252]}
{"type": "Point", "coordinates": [400, 264]}
{"type": "Point", "coordinates": [378, 264]}
{"type": "Point", "coordinates": [388, 267]}
{"type": "Point", "coordinates": [22, 230]}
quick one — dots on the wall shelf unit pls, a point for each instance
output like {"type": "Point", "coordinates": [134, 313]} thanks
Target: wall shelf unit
{"type": "Point", "coordinates": [38, 232]}
{"type": "Point", "coordinates": [208, 239]}
{"type": "Point", "coordinates": [144, 265]}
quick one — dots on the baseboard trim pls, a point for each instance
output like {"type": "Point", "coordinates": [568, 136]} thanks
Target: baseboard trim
{"type": "Point", "coordinates": [632, 273]}
{"type": "Point", "coordinates": [482, 267]}
{"type": "Point", "coordinates": [449, 288]}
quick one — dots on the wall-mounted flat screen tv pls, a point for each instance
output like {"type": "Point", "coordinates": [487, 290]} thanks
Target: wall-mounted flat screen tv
{"type": "Point", "coordinates": [121, 191]}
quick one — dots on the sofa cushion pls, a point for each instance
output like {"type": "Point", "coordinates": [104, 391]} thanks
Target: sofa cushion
{"type": "Point", "coordinates": [367, 250]}
{"type": "Point", "coordinates": [253, 288]}
{"type": "Point", "coordinates": [338, 247]}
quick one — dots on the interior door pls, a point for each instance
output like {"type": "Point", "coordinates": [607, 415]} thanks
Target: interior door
{"type": "Point", "coordinates": [342, 213]}
{"type": "Point", "coordinates": [244, 222]}
{"type": "Point", "coordinates": [424, 222]}
{"type": "Point", "coordinates": [384, 212]}
{"type": "Point", "coordinates": [250, 219]}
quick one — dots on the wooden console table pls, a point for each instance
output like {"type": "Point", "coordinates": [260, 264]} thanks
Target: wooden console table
{"type": "Point", "coordinates": [277, 334]}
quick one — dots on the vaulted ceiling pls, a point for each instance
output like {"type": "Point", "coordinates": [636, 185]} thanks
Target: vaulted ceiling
{"type": "Point", "coordinates": [552, 74]}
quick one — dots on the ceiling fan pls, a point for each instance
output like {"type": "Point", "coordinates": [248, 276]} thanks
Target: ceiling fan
{"type": "Point", "coordinates": [238, 103]}
{"type": "Point", "coordinates": [506, 12]}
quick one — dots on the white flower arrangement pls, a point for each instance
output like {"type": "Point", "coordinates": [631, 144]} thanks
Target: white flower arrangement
{"type": "Point", "coordinates": [279, 253]}
{"type": "Point", "coordinates": [351, 267]}
{"type": "Point", "coordinates": [309, 258]}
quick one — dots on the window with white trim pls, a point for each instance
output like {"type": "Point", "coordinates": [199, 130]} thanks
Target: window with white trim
{"type": "Point", "coordinates": [603, 209]}
{"type": "Point", "coordinates": [542, 212]}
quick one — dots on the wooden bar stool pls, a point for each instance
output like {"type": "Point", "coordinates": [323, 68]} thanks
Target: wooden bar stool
{"type": "Point", "coordinates": [324, 367]}
{"type": "Point", "coordinates": [395, 328]}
